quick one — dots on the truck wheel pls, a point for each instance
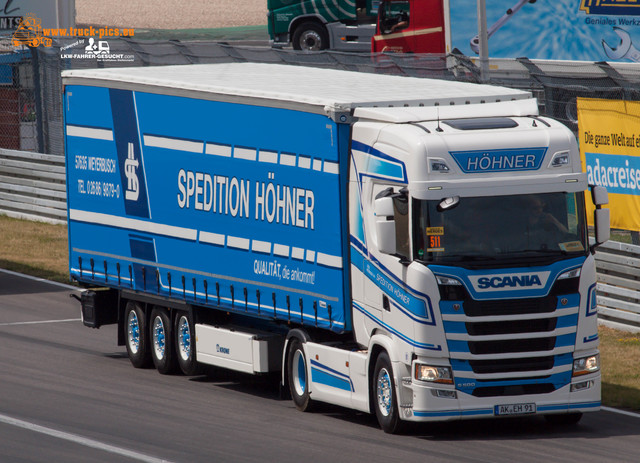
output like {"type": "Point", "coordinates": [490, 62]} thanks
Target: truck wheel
{"type": "Point", "coordinates": [298, 379]}
{"type": "Point", "coordinates": [384, 395]}
{"type": "Point", "coordinates": [565, 419]}
{"type": "Point", "coordinates": [162, 351]}
{"type": "Point", "coordinates": [137, 341]}
{"type": "Point", "coordinates": [186, 345]}
{"type": "Point", "coordinates": [310, 36]}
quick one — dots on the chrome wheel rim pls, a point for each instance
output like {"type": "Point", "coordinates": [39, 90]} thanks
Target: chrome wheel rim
{"type": "Point", "coordinates": [384, 392]}
{"type": "Point", "coordinates": [158, 338]}
{"type": "Point", "coordinates": [310, 40]}
{"type": "Point", "coordinates": [184, 339]}
{"type": "Point", "coordinates": [133, 332]}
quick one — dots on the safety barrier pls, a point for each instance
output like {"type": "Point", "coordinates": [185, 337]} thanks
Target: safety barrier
{"type": "Point", "coordinates": [32, 186]}
{"type": "Point", "coordinates": [618, 289]}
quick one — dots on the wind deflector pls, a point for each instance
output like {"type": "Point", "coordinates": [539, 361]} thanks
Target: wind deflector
{"type": "Point", "coordinates": [482, 123]}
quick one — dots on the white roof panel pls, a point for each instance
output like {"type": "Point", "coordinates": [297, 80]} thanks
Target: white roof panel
{"type": "Point", "coordinates": [305, 88]}
{"type": "Point", "coordinates": [524, 107]}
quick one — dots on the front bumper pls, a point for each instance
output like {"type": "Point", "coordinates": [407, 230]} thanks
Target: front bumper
{"type": "Point", "coordinates": [426, 402]}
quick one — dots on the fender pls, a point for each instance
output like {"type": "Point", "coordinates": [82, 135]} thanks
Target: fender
{"type": "Point", "coordinates": [295, 333]}
{"type": "Point", "coordinates": [307, 17]}
{"type": "Point", "coordinates": [384, 341]}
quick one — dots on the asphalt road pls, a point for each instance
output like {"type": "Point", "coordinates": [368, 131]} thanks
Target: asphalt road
{"type": "Point", "coordinates": [69, 394]}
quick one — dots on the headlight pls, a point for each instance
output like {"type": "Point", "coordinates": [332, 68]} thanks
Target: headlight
{"type": "Point", "coordinates": [433, 374]}
{"type": "Point", "coordinates": [446, 281]}
{"type": "Point", "coordinates": [575, 273]}
{"type": "Point", "coordinates": [586, 365]}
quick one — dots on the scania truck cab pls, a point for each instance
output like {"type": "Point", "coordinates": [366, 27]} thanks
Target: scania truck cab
{"type": "Point", "coordinates": [473, 253]}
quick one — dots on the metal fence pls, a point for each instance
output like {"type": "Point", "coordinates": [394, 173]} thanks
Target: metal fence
{"type": "Point", "coordinates": [618, 266]}
{"type": "Point", "coordinates": [32, 186]}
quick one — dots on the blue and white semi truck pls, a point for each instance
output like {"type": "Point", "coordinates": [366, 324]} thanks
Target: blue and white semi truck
{"type": "Point", "coordinates": [412, 248]}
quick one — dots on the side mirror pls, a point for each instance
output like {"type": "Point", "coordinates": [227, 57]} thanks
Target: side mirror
{"type": "Point", "coordinates": [385, 225]}
{"type": "Point", "coordinates": [599, 195]}
{"type": "Point", "coordinates": [602, 225]}
{"type": "Point", "coordinates": [601, 217]}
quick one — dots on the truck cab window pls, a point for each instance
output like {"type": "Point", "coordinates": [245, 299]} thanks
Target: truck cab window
{"type": "Point", "coordinates": [500, 227]}
{"type": "Point", "coordinates": [394, 16]}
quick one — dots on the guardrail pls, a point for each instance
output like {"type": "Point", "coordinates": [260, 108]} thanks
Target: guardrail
{"type": "Point", "coordinates": [32, 186]}
{"type": "Point", "coordinates": [618, 288]}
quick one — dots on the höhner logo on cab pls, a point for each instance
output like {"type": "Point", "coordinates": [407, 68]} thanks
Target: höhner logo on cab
{"type": "Point", "coordinates": [509, 282]}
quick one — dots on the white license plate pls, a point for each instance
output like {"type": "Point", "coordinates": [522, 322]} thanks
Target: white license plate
{"type": "Point", "coordinates": [515, 409]}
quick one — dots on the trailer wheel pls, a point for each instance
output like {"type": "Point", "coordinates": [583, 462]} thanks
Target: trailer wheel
{"type": "Point", "coordinates": [298, 379]}
{"type": "Point", "coordinates": [384, 394]}
{"type": "Point", "coordinates": [137, 340]}
{"type": "Point", "coordinates": [162, 351]}
{"type": "Point", "coordinates": [310, 36]}
{"type": "Point", "coordinates": [565, 419]}
{"type": "Point", "coordinates": [186, 345]}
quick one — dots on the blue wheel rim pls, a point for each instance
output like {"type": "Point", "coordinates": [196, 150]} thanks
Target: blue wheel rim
{"type": "Point", "coordinates": [299, 373]}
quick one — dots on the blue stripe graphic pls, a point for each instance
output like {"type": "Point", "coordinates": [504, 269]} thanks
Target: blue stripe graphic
{"type": "Point", "coordinates": [406, 339]}
{"type": "Point", "coordinates": [443, 413]}
{"type": "Point", "coordinates": [380, 165]}
{"type": "Point", "coordinates": [412, 306]}
{"type": "Point", "coordinates": [322, 374]}
{"type": "Point", "coordinates": [322, 377]}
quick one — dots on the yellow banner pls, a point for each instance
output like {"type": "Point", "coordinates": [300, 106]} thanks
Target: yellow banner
{"type": "Point", "coordinates": [609, 137]}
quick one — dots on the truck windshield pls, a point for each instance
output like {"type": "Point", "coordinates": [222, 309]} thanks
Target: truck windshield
{"type": "Point", "coordinates": [522, 227]}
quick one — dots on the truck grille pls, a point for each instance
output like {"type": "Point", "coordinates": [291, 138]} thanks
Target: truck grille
{"type": "Point", "coordinates": [511, 327]}
{"type": "Point", "coordinates": [512, 307]}
{"type": "Point", "coordinates": [512, 345]}
{"type": "Point", "coordinates": [511, 365]}
{"type": "Point", "coordinates": [489, 357]}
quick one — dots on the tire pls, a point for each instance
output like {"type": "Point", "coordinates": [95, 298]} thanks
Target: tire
{"type": "Point", "coordinates": [385, 401]}
{"type": "Point", "coordinates": [298, 378]}
{"type": "Point", "coordinates": [185, 344]}
{"type": "Point", "coordinates": [310, 36]}
{"type": "Point", "coordinates": [161, 337]}
{"type": "Point", "coordinates": [565, 419]}
{"type": "Point", "coordinates": [136, 336]}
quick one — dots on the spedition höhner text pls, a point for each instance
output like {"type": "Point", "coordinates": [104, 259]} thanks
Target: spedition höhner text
{"type": "Point", "coordinates": [232, 196]}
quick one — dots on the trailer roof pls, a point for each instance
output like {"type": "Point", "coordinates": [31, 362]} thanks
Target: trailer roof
{"type": "Point", "coordinates": [307, 89]}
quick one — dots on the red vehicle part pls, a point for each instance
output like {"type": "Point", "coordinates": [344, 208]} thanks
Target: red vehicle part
{"type": "Point", "coordinates": [410, 26]}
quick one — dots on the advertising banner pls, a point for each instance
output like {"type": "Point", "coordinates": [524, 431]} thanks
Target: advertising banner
{"type": "Point", "coordinates": [586, 30]}
{"type": "Point", "coordinates": [609, 137]}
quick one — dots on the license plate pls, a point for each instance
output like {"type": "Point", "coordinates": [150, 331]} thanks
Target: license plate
{"type": "Point", "coordinates": [515, 409]}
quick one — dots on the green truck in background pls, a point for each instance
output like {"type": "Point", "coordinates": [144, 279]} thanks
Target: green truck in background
{"type": "Point", "coordinates": [312, 25]}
